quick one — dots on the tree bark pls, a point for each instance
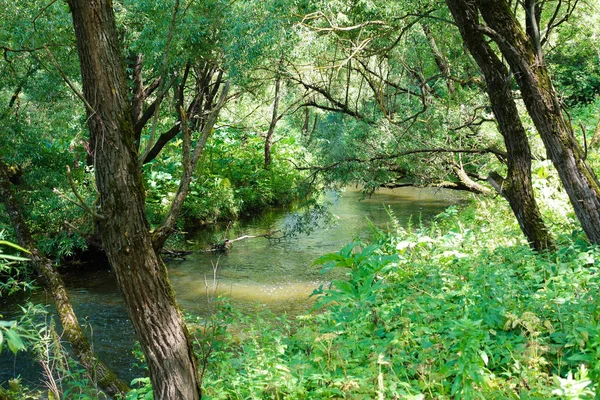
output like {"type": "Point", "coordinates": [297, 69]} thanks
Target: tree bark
{"type": "Point", "coordinates": [539, 96]}
{"type": "Point", "coordinates": [274, 120]}
{"type": "Point", "coordinates": [517, 187]}
{"type": "Point", "coordinates": [53, 282]}
{"type": "Point", "coordinates": [190, 162]}
{"type": "Point", "coordinates": [467, 182]}
{"type": "Point", "coordinates": [141, 275]}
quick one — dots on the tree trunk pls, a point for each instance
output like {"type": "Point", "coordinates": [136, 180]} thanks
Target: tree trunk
{"type": "Point", "coordinates": [539, 96]}
{"type": "Point", "coordinates": [141, 275]}
{"type": "Point", "coordinates": [274, 120]}
{"type": "Point", "coordinates": [53, 282]}
{"type": "Point", "coordinates": [440, 60]}
{"type": "Point", "coordinates": [596, 136]}
{"type": "Point", "coordinates": [517, 187]}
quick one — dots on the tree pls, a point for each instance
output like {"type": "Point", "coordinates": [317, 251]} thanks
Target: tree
{"type": "Point", "coordinates": [517, 187]}
{"type": "Point", "coordinates": [406, 86]}
{"type": "Point", "coordinates": [523, 52]}
{"type": "Point", "coordinates": [141, 275]}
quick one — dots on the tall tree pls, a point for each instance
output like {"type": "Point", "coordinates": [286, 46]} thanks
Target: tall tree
{"type": "Point", "coordinates": [517, 188]}
{"type": "Point", "coordinates": [274, 119]}
{"type": "Point", "coordinates": [523, 51]}
{"type": "Point", "coordinates": [141, 275]}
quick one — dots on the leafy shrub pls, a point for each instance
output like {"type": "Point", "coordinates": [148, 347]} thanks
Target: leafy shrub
{"type": "Point", "coordinates": [460, 309]}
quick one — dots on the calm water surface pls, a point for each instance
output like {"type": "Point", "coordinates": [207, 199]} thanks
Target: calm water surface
{"type": "Point", "coordinates": [255, 273]}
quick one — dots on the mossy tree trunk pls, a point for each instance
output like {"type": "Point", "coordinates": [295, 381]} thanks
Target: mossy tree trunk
{"type": "Point", "coordinates": [517, 187]}
{"type": "Point", "coordinates": [53, 282]}
{"type": "Point", "coordinates": [141, 275]}
{"type": "Point", "coordinates": [524, 55]}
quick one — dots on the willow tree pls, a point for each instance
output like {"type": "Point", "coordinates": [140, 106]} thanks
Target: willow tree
{"type": "Point", "coordinates": [522, 48]}
{"type": "Point", "coordinates": [403, 68]}
{"type": "Point", "coordinates": [125, 231]}
{"type": "Point", "coordinates": [517, 187]}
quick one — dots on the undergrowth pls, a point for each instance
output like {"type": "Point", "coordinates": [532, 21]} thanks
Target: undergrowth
{"type": "Point", "coordinates": [460, 309]}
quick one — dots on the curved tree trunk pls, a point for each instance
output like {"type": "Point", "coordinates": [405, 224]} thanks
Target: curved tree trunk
{"type": "Point", "coordinates": [53, 282]}
{"type": "Point", "coordinates": [517, 187]}
{"type": "Point", "coordinates": [525, 58]}
{"type": "Point", "coordinates": [141, 275]}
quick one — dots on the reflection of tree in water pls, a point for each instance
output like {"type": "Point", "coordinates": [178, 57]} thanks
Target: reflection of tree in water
{"type": "Point", "coordinates": [314, 217]}
{"type": "Point", "coordinates": [304, 222]}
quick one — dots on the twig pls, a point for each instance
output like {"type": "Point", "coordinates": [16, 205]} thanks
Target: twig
{"type": "Point", "coordinates": [68, 82]}
{"type": "Point", "coordinates": [81, 203]}
{"type": "Point", "coordinates": [43, 10]}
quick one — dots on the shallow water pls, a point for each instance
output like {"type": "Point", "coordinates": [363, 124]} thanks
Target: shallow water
{"type": "Point", "coordinates": [281, 276]}
{"type": "Point", "coordinates": [254, 273]}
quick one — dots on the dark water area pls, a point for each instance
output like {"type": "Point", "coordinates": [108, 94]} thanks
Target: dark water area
{"type": "Point", "coordinates": [255, 274]}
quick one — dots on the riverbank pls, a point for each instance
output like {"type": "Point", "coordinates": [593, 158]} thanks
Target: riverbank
{"type": "Point", "coordinates": [462, 308]}
{"type": "Point", "coordinates": [256, 275]}
{"type": "Point", "coordinates": [457, 308]}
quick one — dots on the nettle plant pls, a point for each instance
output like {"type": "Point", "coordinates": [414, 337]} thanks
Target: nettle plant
{"type": "Point", "coordinates": [460, 311]}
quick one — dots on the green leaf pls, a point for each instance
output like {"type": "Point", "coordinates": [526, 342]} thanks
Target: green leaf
{"type": "Point", "coordinates": [346, 252]}
{"type": "Point", "coordinates": [14, 258]}
{"type": "Point", "coordinates": [15, 246]}
{"type": "Point", "coordinates": [14, 341]}
{"type": "Point", "coordinates": [344, 287]}
{"type": "Point", "coordinates": [328, 258]}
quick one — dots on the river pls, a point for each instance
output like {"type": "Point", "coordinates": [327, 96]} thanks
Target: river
{"type": "Point", "coordinates": [255, 273]}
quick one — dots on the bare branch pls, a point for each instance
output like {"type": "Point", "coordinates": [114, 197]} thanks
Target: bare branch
{"type": "Point", "coordinates": [333, 26]}
{"type": "Point", "coordinates": [43, 10]}
{"type": "Point", "coordinates": [80, 201]}
{"type": "Point", "coordinates": [68, 82]}
{"type": "Point", "coordinates": [400, 154]}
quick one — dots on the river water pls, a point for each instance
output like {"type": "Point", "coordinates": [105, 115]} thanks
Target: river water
{"type": "Point", "coordinates": [255, 273]}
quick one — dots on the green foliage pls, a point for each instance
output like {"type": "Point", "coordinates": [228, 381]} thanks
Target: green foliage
{"type": "Point", "coordinates": [63, 376]}
{"type": "Point", "coordinates": [461, 309]}
{"type": "Point", "coordinates": [230, 180]}
{"type": "Point", "coordinates": [13, 278]}
{"type": "Point", "coordinates": [14, 274]}
{"type": "Point", "coordinates": [142, 392]}
{"type": "Point", "coordinates": [574, 61]}
{"type": "Point", "coordinates": [9, 333]}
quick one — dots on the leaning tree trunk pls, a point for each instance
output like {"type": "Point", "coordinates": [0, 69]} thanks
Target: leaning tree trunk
{"type": "Point", "coordinates": [53, 282]}
{"type": "Point", "coordinates": [141, 275]}
{"type": "Point", "coordinates": [526, 61]}
{"type": "Point", "coordinates": [440, 59]}
{"type": "Point", "coordinates": [517, 187]}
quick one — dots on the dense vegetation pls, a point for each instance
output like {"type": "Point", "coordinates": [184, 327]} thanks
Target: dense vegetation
{"type": "Point", "coordinates": [447, 311]}
{"type": "Point", "coordinates": [125, 124]}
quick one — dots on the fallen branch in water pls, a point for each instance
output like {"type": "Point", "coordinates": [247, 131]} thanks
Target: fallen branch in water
{"type": "Point", "coordinates": [175, 254]}
{"type": "Point", "coordinates": [225, 245]}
